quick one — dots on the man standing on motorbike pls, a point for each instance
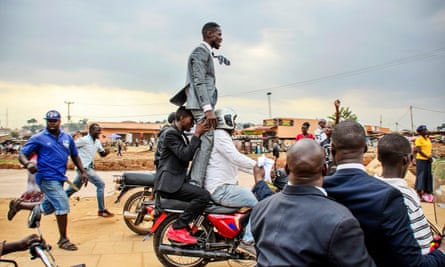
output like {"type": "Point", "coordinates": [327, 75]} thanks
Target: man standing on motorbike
{"type": "Point", "coordinates": [222, 171]}
{"type": "Point", "coordinates": [171, 181]}
{"type": "Point", "coordinates": [87, 147]}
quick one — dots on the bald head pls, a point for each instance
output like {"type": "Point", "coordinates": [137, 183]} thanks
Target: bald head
{"type": "Point", "coordinates": [305, 162]}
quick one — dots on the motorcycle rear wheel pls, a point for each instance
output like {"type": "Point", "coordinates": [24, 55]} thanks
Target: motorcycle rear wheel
{"type": "Point", "coordinates": [134, 205]}
{"type": "Point", "coordinates": [160, 237]}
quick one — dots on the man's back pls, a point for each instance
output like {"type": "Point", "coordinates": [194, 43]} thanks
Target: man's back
{"type": "Point", "coordinates": [383, 217]}
{"type": "Point", "coordinates": [161, 137]}
{"type": "Point", "coordinates": [302, 227]}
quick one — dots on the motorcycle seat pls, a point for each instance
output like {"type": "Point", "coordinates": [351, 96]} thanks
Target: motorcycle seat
{"type": "Point", "coordinates": [139, 178]}
{"type": "Point", "coordinates": [174, 204]}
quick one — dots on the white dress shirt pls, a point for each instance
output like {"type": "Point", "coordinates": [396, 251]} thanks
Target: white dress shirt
{"type": "Point", "coordinates": [225, 162]}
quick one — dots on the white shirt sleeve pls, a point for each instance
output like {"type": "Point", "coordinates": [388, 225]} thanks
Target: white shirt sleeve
{"type": "Point", "coordinates": [99, 146]}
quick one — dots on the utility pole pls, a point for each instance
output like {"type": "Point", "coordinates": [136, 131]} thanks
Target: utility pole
{"type": "Point", "coordinates": [412, 124]}
{"type": "Point", "coordinates": [268, 100]}
{"type": "Point", "coordinates": [380, 121]}
{"type": "Point", "coordinates": [69, 103]}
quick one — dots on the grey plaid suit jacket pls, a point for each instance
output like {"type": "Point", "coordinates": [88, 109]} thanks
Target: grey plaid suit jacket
{"type": "Point", "coordinates": [200, 86]}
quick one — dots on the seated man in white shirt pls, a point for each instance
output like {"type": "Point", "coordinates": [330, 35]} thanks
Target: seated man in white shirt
{"type": "Point", "coordinates": [224, 163]}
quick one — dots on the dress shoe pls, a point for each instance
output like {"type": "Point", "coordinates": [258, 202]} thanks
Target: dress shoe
{"type": "Point", "coordinates": [181, 236]}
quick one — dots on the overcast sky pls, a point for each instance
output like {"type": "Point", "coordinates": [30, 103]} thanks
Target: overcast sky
{"type": "Point", "coordinates": [123, 60]}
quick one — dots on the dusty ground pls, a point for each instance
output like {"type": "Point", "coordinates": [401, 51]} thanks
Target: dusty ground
{"type": "Point", "coordinates": [135, 158]}
{"type": "Point", "coordinates": [102, 242]}
{"type": "Point", "coordinates": [105, 242]}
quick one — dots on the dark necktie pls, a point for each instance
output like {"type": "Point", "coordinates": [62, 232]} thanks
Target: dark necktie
{"type": "Point", "coordinates": [222, 59]}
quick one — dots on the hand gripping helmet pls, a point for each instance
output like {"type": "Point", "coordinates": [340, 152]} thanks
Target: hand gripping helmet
{"type": "Point", "coordinates": [225, 118]}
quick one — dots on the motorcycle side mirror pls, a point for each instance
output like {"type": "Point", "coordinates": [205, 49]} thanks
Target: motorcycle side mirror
{"type": "Point", "coordinates": [34, 217]}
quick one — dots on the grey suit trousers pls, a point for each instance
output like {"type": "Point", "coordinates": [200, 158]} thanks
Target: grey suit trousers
{"type": "Point", "coordinates": [202, 154]}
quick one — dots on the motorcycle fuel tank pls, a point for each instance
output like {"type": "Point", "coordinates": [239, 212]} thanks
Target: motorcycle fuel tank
{"type": "Point", "coordinates": [228, 225]}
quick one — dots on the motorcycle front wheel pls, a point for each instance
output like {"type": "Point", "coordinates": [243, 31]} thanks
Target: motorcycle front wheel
{"type": "Point", "coordinates": [132, 207]}
{"type": "Point", "coordinates": [170, 260]}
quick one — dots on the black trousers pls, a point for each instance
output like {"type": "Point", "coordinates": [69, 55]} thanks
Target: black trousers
{"type": "Point", "coordinates": [199, 198]}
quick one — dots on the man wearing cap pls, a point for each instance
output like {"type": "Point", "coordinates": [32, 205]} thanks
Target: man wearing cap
{"type": "Point", "coordinates": [424, 157]}
{"type": "Point", "coordinates": [52, 146]}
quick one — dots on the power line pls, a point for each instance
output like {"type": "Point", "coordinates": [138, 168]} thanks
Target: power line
{"type": "Point", "coordinates": [421, 56]}
{"type": "Point", "coordinates": [406, 113]}
{"type": "Point", "coordinates": [120, 105]}
{"type": "Point", "coordinates": [400, 61]}
{"type": "Point", "coordinates": [123, 116]}
{"type": "Point", "coordinates": [438, 111]}
{"type": "Point", "coordinates": [396, 62]}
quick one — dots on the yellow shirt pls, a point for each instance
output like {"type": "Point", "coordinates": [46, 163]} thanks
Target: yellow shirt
{"type": "Point", "coordinates": [425, 145]}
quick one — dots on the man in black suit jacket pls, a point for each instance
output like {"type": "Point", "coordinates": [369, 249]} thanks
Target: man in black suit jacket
{"type": "Point", "coordinates": [378, 206]}
{"type": "Point", "coordinates": [171, 182]}
{"type": "Point", "coordinates": [300, 226]}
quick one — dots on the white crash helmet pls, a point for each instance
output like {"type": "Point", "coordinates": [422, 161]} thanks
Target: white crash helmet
{"type": "Point", "coordinates": [225, 118]}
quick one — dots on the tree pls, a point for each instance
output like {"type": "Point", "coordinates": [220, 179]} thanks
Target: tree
{"type": "Point", "coordinates": [15, 134]}
{"type": "Point", "coordinates": [34, 127]}
{"type": "Point", "coordinates": [344, 114]}
{"type": "Point", "coordinates": [31, 121]}
{"type": "Point", "coordinates": [73, 126]}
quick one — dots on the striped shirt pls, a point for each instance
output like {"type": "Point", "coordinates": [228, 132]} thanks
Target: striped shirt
{"type": "Point", "coordinates": [419, 224]}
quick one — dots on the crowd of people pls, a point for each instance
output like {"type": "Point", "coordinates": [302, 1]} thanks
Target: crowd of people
{"type": "Point", "coordinates": [328, 212]}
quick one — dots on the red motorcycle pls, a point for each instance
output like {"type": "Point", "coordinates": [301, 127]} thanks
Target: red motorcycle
{"type": "Point", "coordinates": [219, 231]}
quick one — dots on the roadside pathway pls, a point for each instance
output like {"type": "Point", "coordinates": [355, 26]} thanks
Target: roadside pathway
{"type": "Point", "coordinates": [102, 242]}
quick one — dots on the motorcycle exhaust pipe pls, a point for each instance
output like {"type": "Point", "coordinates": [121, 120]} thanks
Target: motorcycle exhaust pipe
{"type": "Point", "coordinates": [132, 216]}
{"type": "Point", "coordinates": [217, 255]}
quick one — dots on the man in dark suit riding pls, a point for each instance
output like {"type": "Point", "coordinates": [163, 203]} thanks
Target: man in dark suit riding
{"type": "Point", "coordinates": [171, 178]}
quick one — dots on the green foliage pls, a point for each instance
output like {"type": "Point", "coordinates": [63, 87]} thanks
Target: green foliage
{"type": "Point", "coordinates": [33, 127]}
{"type": "Point", "coordinates": [74, 127]}
{"type": "Point", "coordinates": [31, 121]}
{"type": "Point", "coordinates": [344, 114]}
{"type": "Point", "coordinates": [15, 134]}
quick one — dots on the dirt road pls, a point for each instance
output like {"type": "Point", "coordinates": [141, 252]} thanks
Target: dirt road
{"type": "Point", "coordinates": [102, 242]}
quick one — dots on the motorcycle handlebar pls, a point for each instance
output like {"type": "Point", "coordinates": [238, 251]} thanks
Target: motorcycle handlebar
{"type": "Point", "coordinates": [38, 250]}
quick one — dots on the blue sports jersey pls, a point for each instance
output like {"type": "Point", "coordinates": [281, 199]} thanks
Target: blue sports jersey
{"type": "Point", "coordinates": [52, 154]}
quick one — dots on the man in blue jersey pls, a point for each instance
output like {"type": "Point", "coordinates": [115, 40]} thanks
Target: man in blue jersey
{"type": "Point", "coordinates": [52, 146]}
